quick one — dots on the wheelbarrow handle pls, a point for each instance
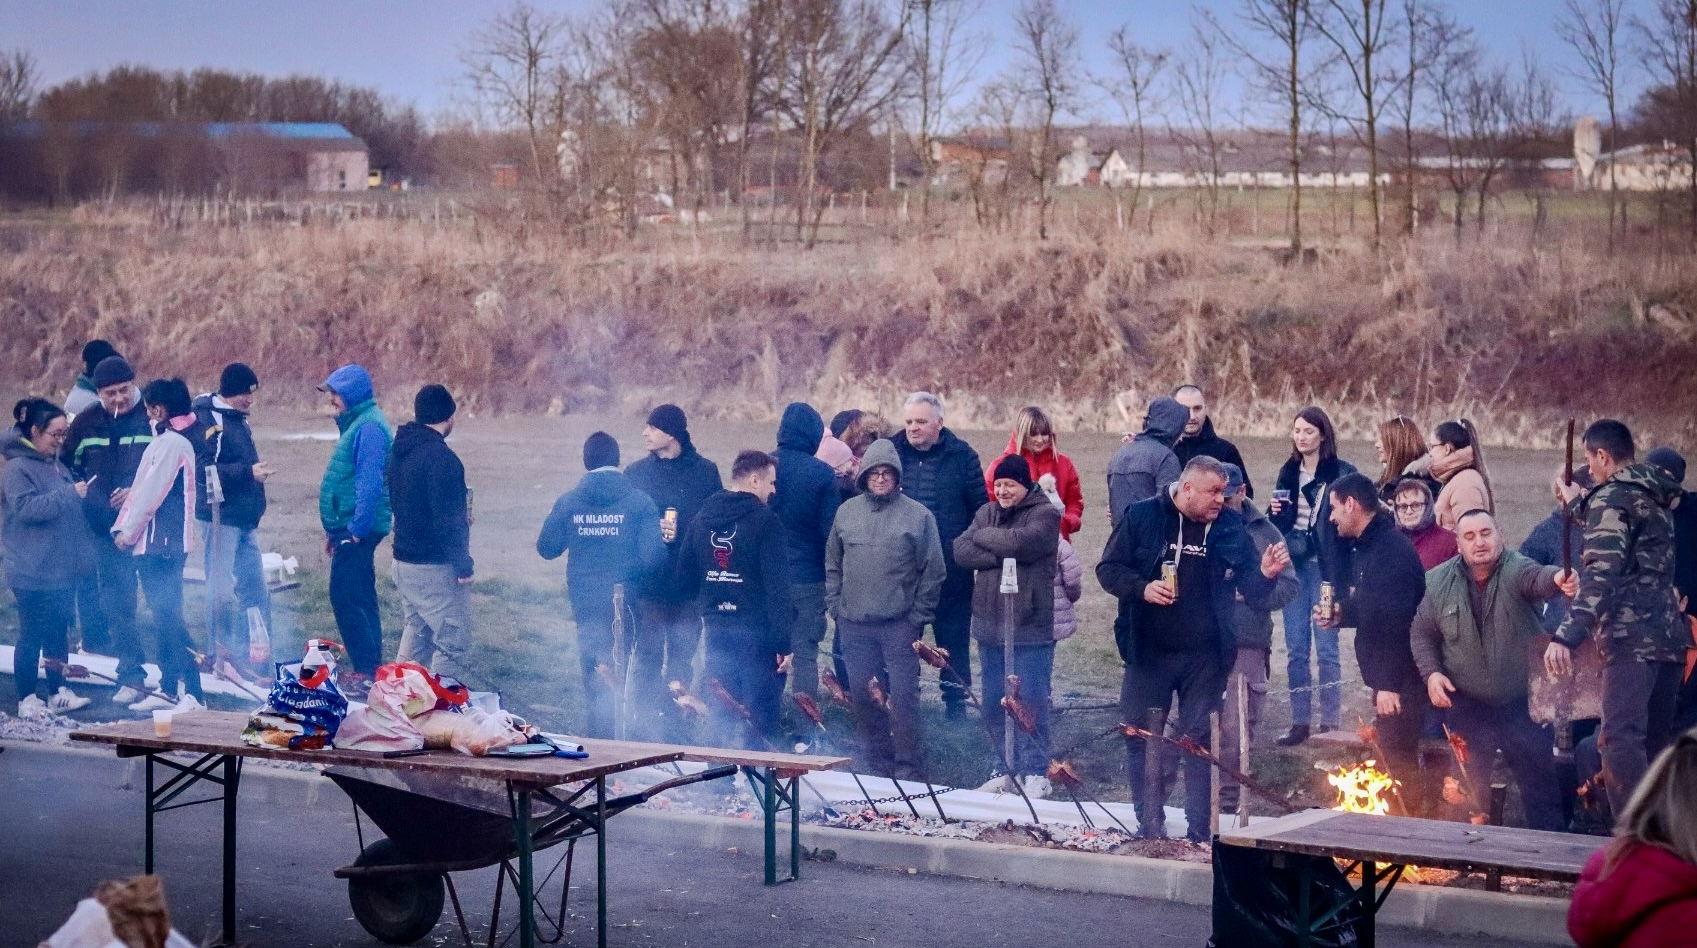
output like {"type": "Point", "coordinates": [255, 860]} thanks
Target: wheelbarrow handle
{"type": "Point", "coordinates": [711, 773]}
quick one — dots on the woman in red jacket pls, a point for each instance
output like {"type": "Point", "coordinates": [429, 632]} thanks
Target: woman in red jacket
{"type": "Point", "coordinates": [1640, 891]}
{"type": "Point", "coordinates": [1033, 438]}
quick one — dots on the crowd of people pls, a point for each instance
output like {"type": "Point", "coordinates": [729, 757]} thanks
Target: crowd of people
{"type": "Point", "coordinates": [878, 535]}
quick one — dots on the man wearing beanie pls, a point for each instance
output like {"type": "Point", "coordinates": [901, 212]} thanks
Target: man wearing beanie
{"type": "Point", "coordinates": [806, 504]}
{"type": "Point", "coordinates": [103, 448]}
{"type": "Point", "coordinates": [91, 615]}
{"type": "Point", "coordinates": [608, 528]}
{"type": "Point", "coordinates": [679, 480]}
{"type": "Point", "coordinates": [235, 573]}
{"type": "Point", "coordinates": [1019, 524]}
{"type": "Point", "coordinates": [433, 568]}
{"type": "Point", "coordinates": [1146, 465]}
{"type": "Point", "coordinates": [82, 396]}
{"type": "Point", "coordinates": [353, 507]}
{"type": "Point", "coordinates": [1684, 528]}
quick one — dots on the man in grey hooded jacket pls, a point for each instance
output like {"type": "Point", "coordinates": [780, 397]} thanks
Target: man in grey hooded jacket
{"type": "Point", "coordinates": [1144, 466]}
{"type": "Point", "coordinates": [884, 571]}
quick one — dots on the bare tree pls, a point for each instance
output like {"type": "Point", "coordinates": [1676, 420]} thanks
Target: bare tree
{"type": "Point", "coordinates": [685, 55]}
{"type": "Point", "coordinates": [1434, 40]}
{"type": "Point", "coordinates": [1047, 75]}
{"type": "Point", "coordinates": [1669, 42]}
{"type": "Point", "coordinates": [988, 157]}
{"type": "Point", "coordinates": [1363, 34]}
{"type": "Point", "coordinates": [513, 68]}
{"type": "Point", "coordinates": [1198, 83]}
{"type": "Point", "coordinates": [1135, 88]}
{"type": "Point", "coordinates": [1593, 28]}
{"type": "Point", "coordinates": [18, 78]}
{"type": "Point", "coordinates": [943, 53]}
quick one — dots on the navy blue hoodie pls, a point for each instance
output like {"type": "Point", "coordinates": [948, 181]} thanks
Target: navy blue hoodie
{"type": "Point", "coordinates": [427, 492]}
{"type": "Point", "coordinates": [736, 558]}
{"type": "Point", "coordinates": [612, 531]}
{"type": "Point", "coordinates": [683, 483]}
{"type": "Point", "coordinates": [807, 497]}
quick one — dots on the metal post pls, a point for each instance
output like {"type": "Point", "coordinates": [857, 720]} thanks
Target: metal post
{"type": "Point", "coordinates": [232, 777]}
{"type": "Point", "coordinates": [1153, 819]}
{"type": "Point", "coordinates": [1010, 589]}
{"type": "Point", "coordinates": [147, 846]}
{"type": "Point", "coordinates": [521, 834]}
{"type": "Point", "coordinates": [1242, 744]}
{"type": "Point", "coordinates": [600, 862]}
{"type": "Point", "coordinates": [1214, 777]}
{"type": "Point", "coordinates": [769, 803]}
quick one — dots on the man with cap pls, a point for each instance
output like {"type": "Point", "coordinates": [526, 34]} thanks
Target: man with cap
{"type": "Point", "coordinates": [353, 507]}
{"type": "Point", "coordinates": [608, 528]}
{"type": "Point", "coordinates": [83, 394]}
{"type": "Point", "coordinates": [679, 480]}
{"type": "Point", "coordinates": [103, 448]}
{"type": "Point", "coordinates": [1146, 464]}
{"type": "Point", "coordinates": [235, 573]}
{"type": "Point", "coordinates": [433, 569]}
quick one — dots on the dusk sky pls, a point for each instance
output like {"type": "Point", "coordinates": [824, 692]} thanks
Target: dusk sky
{"type": "Point", "coordinates": [409, 50]}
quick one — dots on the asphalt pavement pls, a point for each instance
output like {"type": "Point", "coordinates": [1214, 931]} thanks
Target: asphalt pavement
{"type": "Point", "coordinates": [69, 821]}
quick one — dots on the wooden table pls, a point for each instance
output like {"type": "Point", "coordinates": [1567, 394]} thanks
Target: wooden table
{"type": "Point", "coordinates": [216, 736]}
{"type": "Point", "coordinates": [1383, 846]}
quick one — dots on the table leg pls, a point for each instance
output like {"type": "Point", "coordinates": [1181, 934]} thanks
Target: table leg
{"type": "Point", "coordinates": [527, 904]}
{"type": "Point", "coordinates": [1304, 906]}
{"type": "Point", "coordinates": [232, 776]}
{"type": "Point", "coordinates": [795, 827]}
{"type": "Point", "coordinates": [1365, 930]}
{"type": "Point", "coordinates": [601, 861]}
{"type": "Point", "coordinates": [147, 807]}
{"type": "Point", "coordinates": [769, 806]}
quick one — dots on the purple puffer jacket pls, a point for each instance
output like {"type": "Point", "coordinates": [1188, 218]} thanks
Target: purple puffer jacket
{"type": "Point", "coordinates": [1069, 585]}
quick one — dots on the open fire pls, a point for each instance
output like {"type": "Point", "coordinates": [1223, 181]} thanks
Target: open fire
{"type": "Point", "coordinates": [1362, 788]}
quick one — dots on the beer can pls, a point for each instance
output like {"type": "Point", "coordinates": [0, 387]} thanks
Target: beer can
{"type": "Point", "coordinates": [1169, 575]}
{"type": "Point", "coordinates": [670, 520]}
{"type": "Point", "coordinates": [1328, 601]}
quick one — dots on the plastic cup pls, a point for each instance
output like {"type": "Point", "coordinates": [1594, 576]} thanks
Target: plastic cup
{"type": "Point", "coordinates": [162, 722]}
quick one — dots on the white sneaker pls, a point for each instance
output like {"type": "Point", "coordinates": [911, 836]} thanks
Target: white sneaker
{"type": "Point", "coordinates": [1036, 787]}
{"type": "Point", "coordinates": [153, 703]}
{"type": "Point", "coordinates": [65, 700]}
{"type": "Point", "coordinates": [188, 702]}
{"type": "Point", "coordinates": [1000, 783]}
{"type": "Point", "coordinates": [32, 707]}
{"type": "Point", "coordinates": [126, 695]}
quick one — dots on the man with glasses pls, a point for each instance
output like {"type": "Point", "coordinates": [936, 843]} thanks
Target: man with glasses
{"type": "Point", "coordinates": [1416, 521]}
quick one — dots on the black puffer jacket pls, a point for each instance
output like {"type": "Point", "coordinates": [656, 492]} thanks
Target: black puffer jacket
{"type": "Point", "coordinates": [1214, 446]}
{"type": "Point", "coordinates": [948, 480]}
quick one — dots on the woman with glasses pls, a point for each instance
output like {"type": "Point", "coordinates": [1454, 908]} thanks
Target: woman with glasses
{"type": "Point", "coordinates": [1458, 462]}
{"type": "Point", "coordinates": [47, 547]}
{"type": "Point", "coordinates": [1411, 500]}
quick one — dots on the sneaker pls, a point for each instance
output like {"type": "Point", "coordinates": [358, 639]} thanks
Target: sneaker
{"type": "Point", "coordinates": [65, 700]}
{"type": "Point", "coordinates": [153, 703]}
{"type": "Point", "coordinates": [1036, 787]}
{"type": "Point", "coordinates": [32, 707]}
{"type": "Point", "coordinates": [189, 702]}
{"type": "Point", "coordinates": [1000, 783]}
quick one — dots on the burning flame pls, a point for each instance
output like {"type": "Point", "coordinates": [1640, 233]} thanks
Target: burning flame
{"type": "Point", "coordinates": [1362, 788]}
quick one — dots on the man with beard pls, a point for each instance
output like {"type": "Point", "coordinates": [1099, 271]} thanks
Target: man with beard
{"type": "Point", "coordinates": [1198, 436]}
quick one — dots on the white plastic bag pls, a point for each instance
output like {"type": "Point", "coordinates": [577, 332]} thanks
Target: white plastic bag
{"type": "Point", "coordinates": [90, 927]}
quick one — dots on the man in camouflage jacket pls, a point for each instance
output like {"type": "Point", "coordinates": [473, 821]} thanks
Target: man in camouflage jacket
{"type": "Point", "coordinates": [1626, 595]}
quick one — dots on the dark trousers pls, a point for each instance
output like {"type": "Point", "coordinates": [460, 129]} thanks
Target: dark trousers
{"type": "Point", "coordinates": [951, 629]}
{"type": "Point", "coordinates": [118, 587]}
{"type": "Point", "coordinates": [44, 627]}
{"type": "Point", "coordinates": [1034, 665]}
{"type": "Point", "coordinates": [1199, 681]}
{"type": "Point", "coordinates": [91, 616]}
{"type": "Point", "coordinates": [594, 649]}
{"type": "Point", "coordinates": [353, 598]}
{"type": "Point", "coordinates": [889, 739]}
{"type": "Point", "coordinates": [748, 670]}
{"type": "Point", "coordinates": [1399, 741]}
{"type": "Point", "coordinates": [162, 583]}
{"type": "Point", "coordinates": [805, 636]}
{"type": "Point", "coordinates": [1527, 749]}
{"type": "Point", "coordinates": [1638, 706]}
{"type": "Point", "coordinates": [667, 635]}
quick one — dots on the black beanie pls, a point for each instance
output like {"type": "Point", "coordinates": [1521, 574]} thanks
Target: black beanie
{"type": "Point", "coordinates": [94, 352]}
{"type": "Point", "coordinates": [670, 419]}
{"type": "Point", "coordinates": [600, 450]}
{"type": "Point", "coordinates": [237, 379]}
{"type": "Point", "coordinates": [1668, 460]}
{"type": "Point", "coordinates": [1013, 468]}
{"type": "Point", "coordinates": [112, 370]}
{"type": "Point", "coordinates": [433, 405]}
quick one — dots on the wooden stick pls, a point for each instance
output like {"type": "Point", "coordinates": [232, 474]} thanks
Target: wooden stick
{"type": "Point", "coordinates": [1214, 777]}
{"type": "Point", "coordinates": [1242, 744]}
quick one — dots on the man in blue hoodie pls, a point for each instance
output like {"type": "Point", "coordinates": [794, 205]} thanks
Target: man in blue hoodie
{"type": "Point", "coordinates": [612, 532]}
{"type": "Point", "coordinates": [806, 504]}
{"type": "Point", "coordinates": [353, 506]}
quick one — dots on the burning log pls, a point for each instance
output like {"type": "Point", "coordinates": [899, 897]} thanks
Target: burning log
{"type": "Point", "coordinates": [1362, 788]}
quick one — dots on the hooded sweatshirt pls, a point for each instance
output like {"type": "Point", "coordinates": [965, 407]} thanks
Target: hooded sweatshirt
{"type": "Point", "coordinates": [1648, 899]}
{"type": "Point", "coordinates": [884, 558]}
{"type": "Point", "coordinates": [352, 500]}
{"type": "Point", "coordinates": [1141, 469]}
{"type": "Point", "coordinates": [612, 532]}
{"type": "Point", "coordinates": [1214, 446]}
{"type": "Point", "coordinates": [682, 483]}
{"type": "Point", "coordinates": [427, 489]}
{"type": "Point", "coordinates": [1626, 571]}
{"type": "Point", "coordinates": [735, 557]}
{"type": "Point", "coordinates": [1048, 461]}
{"type": "Point", "coordinates": [46, 542]}
{"type": "Point", "coordinates": [807, 497]}
{"type": "Point", "coordinates": [231, 448]}
{"type": "Point", "coordinates": [1028, 532]}
{"type": "Point", "coordinates": [1254, 626]}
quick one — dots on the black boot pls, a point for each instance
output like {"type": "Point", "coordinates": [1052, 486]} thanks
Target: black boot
{"type": "Point", "coordinates": [1296, 735]}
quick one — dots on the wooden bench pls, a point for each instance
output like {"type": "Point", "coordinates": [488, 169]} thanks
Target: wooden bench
{"type": "Point", "coordinates": [1383, 846]}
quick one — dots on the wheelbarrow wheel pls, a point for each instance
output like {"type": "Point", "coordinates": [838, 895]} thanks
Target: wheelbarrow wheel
{"type": "Point", "coordinates": [398, 909]}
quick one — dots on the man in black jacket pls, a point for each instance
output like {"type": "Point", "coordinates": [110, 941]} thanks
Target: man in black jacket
{"type": "Point", "coordinates": [806, 502]}
{"type": "Point", "coordinates": [235, 571]}
{"type": "Point", "coordinates": [734, 562]}
{"type": "Point", "coordinates": [433, 568]}
{"type": "Point", "coordinates": [1176, 637]}
{"type": "Point", "coordinates": [1198, 436]}
{"type": "Point", "coordinates": [944, 474]}
{"type": "Point", "coordinates": [1386, 584]}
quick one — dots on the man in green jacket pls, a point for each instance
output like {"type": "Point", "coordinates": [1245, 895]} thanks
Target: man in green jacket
{"type": "Point", "coordinates": [353, 506]}
{"type": "Point", "coordinates": [1470, 640]}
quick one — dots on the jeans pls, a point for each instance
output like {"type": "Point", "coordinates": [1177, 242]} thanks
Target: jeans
{"type": "Point", "coordinates": [118, 587]}
{"type": "Point", "coordinates": [1252, 665]}
{"type": "Point", "coordinates": [1300, 631]}
{"type": "Point", "coordinates": [746, 669]}
{"type": "Point", "coordinates": [1035, 665]}
{"type": "Point", "coordinates": [1198, 679]}
{"type": "Point", "coordinates": [667, 635]}
{"type": "Point", "coordinates": [162, 584]}
{"type": "Point", "coordinates": [1528, 748]}
{"type": "Point", "coordinates": [353, 598]}
{"type": "Point", "coordinates": [805, 636]}
{"type": "Point", "coordinates": [951, 629]}
{"type": "Point", "coordinates": [1638, 706]}
{"type": "Point", "coordinates": [44, 626]}
{"type": "Point", "coordinates": [889, 739]}
{"type": "Point", "coordinates": [235, 583]}
{"type": "Point", "coordinates": [436, 611]}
